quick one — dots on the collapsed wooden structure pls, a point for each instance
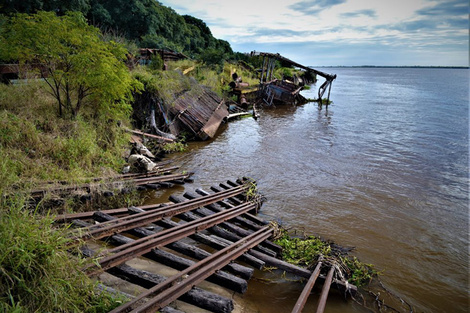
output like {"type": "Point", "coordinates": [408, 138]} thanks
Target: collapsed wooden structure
{"type": "Point", "coordinates": [279, 90]}
{"type": "Point", "coordinates": [200, 110]}
{"type": "Point", "coordinates": [174, 234]}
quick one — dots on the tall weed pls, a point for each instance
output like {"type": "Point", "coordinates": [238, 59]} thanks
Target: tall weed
{"type": "Point", "coordinates": [37, 274]}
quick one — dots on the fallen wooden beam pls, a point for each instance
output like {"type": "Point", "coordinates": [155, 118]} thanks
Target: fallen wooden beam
{"type": "Point", "coordinates": [137, 132]}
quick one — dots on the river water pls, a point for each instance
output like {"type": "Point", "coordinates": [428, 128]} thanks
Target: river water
{"type": "Point", "coordinates": [383, 169]}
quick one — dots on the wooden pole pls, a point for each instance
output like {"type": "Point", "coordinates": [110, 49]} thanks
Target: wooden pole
{"type": "Point", "coordinates": [329, 90]}
{"type": "Point", "coordinates": [262, 70]}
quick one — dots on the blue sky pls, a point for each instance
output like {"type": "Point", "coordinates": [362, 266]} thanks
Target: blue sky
{"type": "Point", "coordinates": [341, 32]}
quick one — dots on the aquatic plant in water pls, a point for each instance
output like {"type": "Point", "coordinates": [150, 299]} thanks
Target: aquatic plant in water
{"type": "Point", "coordinates": [307, 251]}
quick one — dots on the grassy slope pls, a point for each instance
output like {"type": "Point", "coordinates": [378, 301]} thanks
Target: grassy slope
{"type": "Point", "coordinates": [36, 272]}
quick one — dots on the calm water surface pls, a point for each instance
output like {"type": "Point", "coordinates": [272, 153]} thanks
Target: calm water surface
{"type": "Point", "coordinates": [384, 169]}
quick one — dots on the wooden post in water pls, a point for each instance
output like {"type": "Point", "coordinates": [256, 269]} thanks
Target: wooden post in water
{"type": "Point", "coordinates": [261, 79]}
{"type": "Point", "coordinates": [329, 90]}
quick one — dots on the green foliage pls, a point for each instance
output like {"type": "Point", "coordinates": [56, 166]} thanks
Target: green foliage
{"type": "Point", "coordinates": [154, 25]}
{"type": "Point", "coordinates": [33, 6]}
{"type": "Point", "coordinates": [37, 146]}
{"type": "Point", "coordinates": [37, 273]}
{"type": "Point", "coordinates": [216, 78]}
{"type": "Point", "coordinates": [167, 85]}
{"type": "Point", "coordinates": [358, 273]}
{"type": "Point", "coordinates": [147, 22]}
{"type": "Point", "coordinates": [308, 251]}
{"type": "Point", "coordinates": [304, 252]}
{"type": "Point", "coordinates": [156, 62]}
{"type": "Point", "coordinates": [213, 57]}
{"type": "Point", "coordinates": [174, 147]}
{"type": "Point", "coordinates": [77, 62]}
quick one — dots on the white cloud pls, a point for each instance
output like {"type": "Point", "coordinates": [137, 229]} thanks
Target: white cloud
{"type": "Point", "coordinates": [397, 23]}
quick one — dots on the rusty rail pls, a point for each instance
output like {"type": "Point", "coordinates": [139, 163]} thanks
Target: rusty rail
{"type": "Point", "coordinates": [299, 305]}
{"type": "Point", "coordinates": [141, 246]}
{"type": "Point", "coordinates": [138, 220]}
{"type": "Point", "coordinates": [325, 290]}
{"type": "Point", "coordinates": [175, 286]}
{"type": "Point", "coordinates": [158, 177]}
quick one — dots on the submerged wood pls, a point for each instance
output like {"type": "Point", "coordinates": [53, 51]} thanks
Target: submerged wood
{"type": "Point", "coordinates": [302, 272]}
{"type": "Point", "coordinates": [325, 290]}
{"type": "Point", "coordinates": [237, 230]}
{"type": "Point", "coordinates": [223, 230]}
{"type": "Point", "coordinates": [214, 243]}
{"type": "Point", "coordinates": [299, 305]}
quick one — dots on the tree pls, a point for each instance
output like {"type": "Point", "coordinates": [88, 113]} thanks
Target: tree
{"type": "Point", "coordinates": [33, 6]}
{"type": "Point", "coordinates": [73, 60]}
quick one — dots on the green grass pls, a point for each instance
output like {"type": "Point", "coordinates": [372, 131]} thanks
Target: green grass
{"type": "Point", "coordinates": [217, 80]}
{"type": "Point", "coordinates": [174, 147]}
{"type": "Point", "coordinates": [38, 146]}
{"type": "Point", "coordinates": [37, 274]}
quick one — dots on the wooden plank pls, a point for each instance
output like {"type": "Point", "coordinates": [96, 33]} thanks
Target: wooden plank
{"type": "Point", "coordinates": [210, 128]}
{"type": "Point", "coordinates": [149, 135]}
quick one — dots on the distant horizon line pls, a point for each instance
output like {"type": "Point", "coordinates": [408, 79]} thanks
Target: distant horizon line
{"type": "Point", "coordinates": [393, 66]}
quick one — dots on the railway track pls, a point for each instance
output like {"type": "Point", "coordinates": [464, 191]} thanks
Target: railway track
{"type": "Point", "coordinates": [222, 220]}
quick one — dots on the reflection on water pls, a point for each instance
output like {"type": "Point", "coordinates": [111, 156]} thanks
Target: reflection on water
{"type": "Point", "coordinates": [384, 169]}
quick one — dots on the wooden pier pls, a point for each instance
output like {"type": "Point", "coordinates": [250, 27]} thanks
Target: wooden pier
{"type": "Point", "coordinates": [174, 234]}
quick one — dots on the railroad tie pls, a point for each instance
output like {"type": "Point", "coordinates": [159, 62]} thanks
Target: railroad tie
{"type": "Point", "coordinates": [173, 287]}
{"type": "Point", "coordinates": [128, 251]}
{"type": "Point", "coordinates": [149, 216]}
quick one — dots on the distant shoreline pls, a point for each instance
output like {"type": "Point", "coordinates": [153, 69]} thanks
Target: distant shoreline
{"type": "Point", "coordinates": [389, 66]}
